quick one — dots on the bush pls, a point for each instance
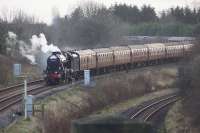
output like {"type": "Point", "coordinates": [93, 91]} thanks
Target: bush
{"type": "Point", "coordinates": [107, 92]}
{"type": "Point", "coordinates": [5, 74]}
{"type": "Point", "coordinates": [189, 82]}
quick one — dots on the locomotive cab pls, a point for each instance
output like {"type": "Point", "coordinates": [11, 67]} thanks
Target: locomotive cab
{"type": "Point", "coordinates": [73, 64]}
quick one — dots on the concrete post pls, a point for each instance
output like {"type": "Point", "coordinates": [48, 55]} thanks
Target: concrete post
{"type": "Point", "coordinates": [86, 77]}
{"type": "Point", "coordinates": [29, 104]}
{"type": "Point", "coordinates": [25, 98]}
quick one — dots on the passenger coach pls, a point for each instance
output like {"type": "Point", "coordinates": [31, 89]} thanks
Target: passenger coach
{"type": "Point", "coordinates": [103, 60]}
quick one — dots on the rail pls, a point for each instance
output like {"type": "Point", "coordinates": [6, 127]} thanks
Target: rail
{"type": "Point", "coordinates": [147, 112]}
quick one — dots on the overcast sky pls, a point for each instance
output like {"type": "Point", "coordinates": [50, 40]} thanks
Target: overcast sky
{"type": "Point", "coordinates": [43, 8]}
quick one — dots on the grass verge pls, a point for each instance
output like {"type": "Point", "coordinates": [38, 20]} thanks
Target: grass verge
{"type": "Point", "coordinates": [81, 101]}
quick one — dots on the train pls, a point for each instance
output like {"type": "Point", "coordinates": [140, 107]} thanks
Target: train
{"type": "Point", "coordinates": [67, 66]}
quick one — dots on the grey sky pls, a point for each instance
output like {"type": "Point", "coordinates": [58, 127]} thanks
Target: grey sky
{"type": "Point", "coordinates": [43, 8]}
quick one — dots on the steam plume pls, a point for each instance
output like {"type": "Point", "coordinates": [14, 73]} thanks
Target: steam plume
{"type": "Point", "coordinates": [37, 51]}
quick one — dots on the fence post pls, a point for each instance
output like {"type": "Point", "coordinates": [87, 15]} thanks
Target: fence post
{"type": "Point", "coordinates": [33, 109]}
{"type": "Point", "coordinates": [42, 110]}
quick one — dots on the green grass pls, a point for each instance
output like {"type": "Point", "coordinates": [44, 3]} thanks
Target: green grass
{"type": "Point", "coordinates": [114, 109]}
{"type": "Point", "coordinates": [76, 98]}
{"type": "Point", "coordinates": [175, 121]}
{"type": "Point", "coordinates": [23, 126]}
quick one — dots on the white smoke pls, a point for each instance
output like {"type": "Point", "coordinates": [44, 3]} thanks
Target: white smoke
{"type": "Point", "coordinates": [40, 42]}
{"type": "Point", "coordinates": [40, 50]}
{"type": "Point", "coordinates": [12, 35]}
{"type": "Point", "coordinates": [37, 51]}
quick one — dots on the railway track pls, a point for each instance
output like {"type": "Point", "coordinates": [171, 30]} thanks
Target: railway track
{"type": "Point", "coordinates": [14, 94]}
{"type": "Point", "coordinates": [146, 111]}
{"type": "Point", "coordinates": [18, 86]}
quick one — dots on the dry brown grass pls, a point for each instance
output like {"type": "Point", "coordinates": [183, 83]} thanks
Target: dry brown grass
{"type": "Point", "coordinates": [178, 122]}
{"type": "Point", "coordinates": [82, 101]}
{"type": "Point", "coordinates": [6, 71]}
{"type": "Point", "coordinates": [108, 91]}
{"type": "Point", "coordinates": [5, 74]}
{"type": "Point", "coordinates": [189, 82]}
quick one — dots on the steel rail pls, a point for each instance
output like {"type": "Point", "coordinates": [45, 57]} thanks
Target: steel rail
{"type": "Point", "coordinates": [160, 108]}
{"type": "Point", "coordinates": [20, 85]}
{"type": "Point", "coordinates": [151, 105]}
{"type": "Point", "coordinates": [18, 97]}
{"type": "Point", "coordinates": [11, 96]}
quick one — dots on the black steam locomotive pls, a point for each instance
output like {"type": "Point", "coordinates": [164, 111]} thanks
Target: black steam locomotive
{"type": "Point", "coordinates": [65, 66]}
{"type": "Point", "coordinates": [59, 66]}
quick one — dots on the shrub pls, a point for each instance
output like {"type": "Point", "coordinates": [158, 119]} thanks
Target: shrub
{"type": "Point", "coordinates": [107, 91]}
{"type": "Point", "coordinates": [189, 82]}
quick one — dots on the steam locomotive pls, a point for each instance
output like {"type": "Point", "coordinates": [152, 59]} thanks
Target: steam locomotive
{"type": "Point", "coordinates": [69, 65]}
